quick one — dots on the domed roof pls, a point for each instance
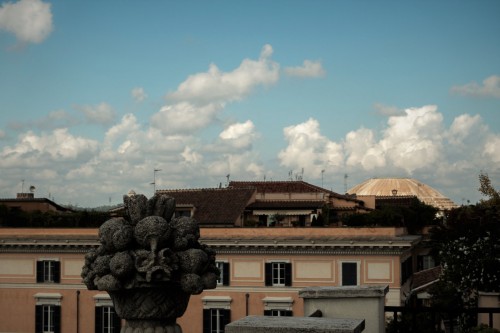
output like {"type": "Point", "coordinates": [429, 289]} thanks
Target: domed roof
{"type": "Point", "coordinates": [385, 187]}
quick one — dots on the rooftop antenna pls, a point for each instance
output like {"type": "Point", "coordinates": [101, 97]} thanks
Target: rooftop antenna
{"type": "Point", "coordinates": [22, 185]}
{"type": "Point", "coordinates": [345, 182]}
{"type": "Point", "coordinates": [322, 172]}
{"type": "Point", "coordinates": [154, 180]}
{"type": "Point", "coordinates": [227, 176]}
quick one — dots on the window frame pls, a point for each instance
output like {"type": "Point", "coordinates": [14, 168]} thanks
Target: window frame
{"type": "Point", "coordinates": [222, 318]}
{"type": "Point", "coordinates": [48, 271]}
{"type": "Point", "coordinates": [223, 266]}
{"type": "Point", "coordinates": [341, 272]}
{"type": "Point", "coordinates": [283, 278]}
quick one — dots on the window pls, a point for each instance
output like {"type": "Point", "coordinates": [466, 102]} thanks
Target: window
{"type": "Point", "coordinates": [223, 279]}
{"type": "Point", "coordinates": [425, 262]}
{"type": "Point", "coordinates": [278, 274]}
{"type": "Point", "coordinates": [278, 306]}
{"type": "Point", "coordinates": [278, 313]}
{"type": "Point", "coordinates": [48, 313]}
{"type": "Point", "coordinates": [349, 273]}
{"type": "Point", "coordinates": [48, 319]}
{"type": "Point", "coordinates": [48, 271]}
{"type": "Point", "coordinates": [406, 269]}
{"type": "Point", "coordinates": [215, 320]}
{"type": "Point", "coordinates": [106, 320]}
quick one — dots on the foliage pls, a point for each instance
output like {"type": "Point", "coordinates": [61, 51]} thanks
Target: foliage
{"type": "Point", "coordinates": [467, 247]}
{"type": "Point", "coordinates": [414, 217]}
{"type": "Point", "coordinates": [484, 329]}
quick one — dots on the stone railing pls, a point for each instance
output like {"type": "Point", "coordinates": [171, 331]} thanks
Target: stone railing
{"type": "Point", "coordinates": [332, 309]}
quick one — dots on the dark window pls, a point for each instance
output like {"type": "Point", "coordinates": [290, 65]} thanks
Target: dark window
{"type": "Point", "coordinates": [106, 320]}
{"type": "Point", "coordinates": [215, 320]}
{"type": "Point", "coordinates": [349, 274]}
{"type": "Point", "coordinates": [406, 269]}
{"type": "Point", "coordinates": [223, 279]}
{"type": "Point", "coordinates": [278, 313]}
{"type": "Point", "coordinates": [425, 262]}
{"type": "Point", "coordinates": [278, 274]}
{"type": "Point", "coordinates": [48, 319]}
{"type": "Point", "coordinates": [48, 271]}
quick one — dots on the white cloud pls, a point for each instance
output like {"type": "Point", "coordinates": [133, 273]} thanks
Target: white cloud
{"type": "Point", "coordinates": [309, 150]}
{"type": "Point", "coordinates": [465, 127]}
{"type": "Point", "coordinates": [489, 88]}
{"type": "Point", "coordinates": [184, 117]}
{"type": "Point", "coordinates": [309, 68]}
{"type": "Point", "coordinates": [491, 150]}
{"type": "Point", "coordinates": [239, 135]}
{"type": "Point", "coordinates": [138, 94]}
{"type": "Point", "coordinates": [215, 86]}
{"type": "Point", "coordinates": [29, 20]}
{"type": "Point", "coordinates": [56, 147]}
{"type": "Point", "coordinates": [102, 114]}
{"type": "Point", "coordinates": [362, 149]}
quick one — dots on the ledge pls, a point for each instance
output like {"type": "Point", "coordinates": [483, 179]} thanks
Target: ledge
{"type": "Point", "coordinates": [266, 324]}
{"type": "Point", "coordinates": [344, 292]}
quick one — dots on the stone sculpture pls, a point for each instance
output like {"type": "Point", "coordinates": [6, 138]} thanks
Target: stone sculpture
{"type": "Point", "coordinates": [150, 264]}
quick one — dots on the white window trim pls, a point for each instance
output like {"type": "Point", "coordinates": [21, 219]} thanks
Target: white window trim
{"type": "Point", "coordinates": [217, 302]}
{"type": "Point", "coordinates": [48, 259]}
{"type": "Point", "coordinates": [285, 261]}
{"type": "Point", "coordinates": [278, 303]}
{"type": "Point", "coordinates": [358, 270]}
{"type": "Point", "coordinates": [48, 299]}
{"type": "Point", "coordinates": [103, 300]}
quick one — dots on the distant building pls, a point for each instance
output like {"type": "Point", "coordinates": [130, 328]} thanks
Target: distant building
{"type": "Point", "coordinates": [28, 203]}
{"type": "Point", "coordinates": [400, 191]}
{"type": "Point", "coordinates": [266, 203]}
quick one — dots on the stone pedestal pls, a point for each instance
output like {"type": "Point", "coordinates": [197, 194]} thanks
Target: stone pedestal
{"type": "Point", "coordinates": [348, 302]}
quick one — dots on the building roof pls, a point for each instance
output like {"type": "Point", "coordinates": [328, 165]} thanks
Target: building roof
{"type": "Point", "coordinates": [25, 203]}
{"type": "Point", "coordinates": [214, 206]}
{"type": "Point", "coordinates": [384, 187]}
{"type": "Point", "coordinates": [287, 186]}
{"type": "Point", "coordinates": [425, 278]}
{"type": "Point", "coordinates": [287, 204]}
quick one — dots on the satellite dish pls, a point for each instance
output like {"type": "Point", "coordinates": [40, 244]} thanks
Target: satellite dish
{"type": "Point", "coordinates": [32, 189]}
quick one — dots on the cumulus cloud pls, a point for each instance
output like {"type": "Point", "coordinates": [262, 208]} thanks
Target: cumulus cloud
{"type": "Point", "coordinates": [29, 20]}
{"type": "Point", "coordinates": [309, 69]}
{"type": "Point", "coordinates": [216, 86]}
{"type": "Point", "coordinates": [489, 88]}
{"type": "Point", "coordinates": [102, 114]}
{"type": "Point", "coordinates": [239, 135]}
{"type": "Point", "coordinates": [55, 147]}
{"type": "Point", "coordinates": [409, 143]}
{"type": "Point", "coordinates": [308, 149]}
{"type": "Point", "coordinates": [138, 94]}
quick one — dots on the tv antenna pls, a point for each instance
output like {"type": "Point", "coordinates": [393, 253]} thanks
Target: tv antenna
{"type": "Point", "coordinates": [345, 183]}
{"type": "Point", "coordinates": [154, 180]}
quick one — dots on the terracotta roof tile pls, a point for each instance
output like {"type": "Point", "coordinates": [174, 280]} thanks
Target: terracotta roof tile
{"type": "Point", "coordinates": [214, 206]}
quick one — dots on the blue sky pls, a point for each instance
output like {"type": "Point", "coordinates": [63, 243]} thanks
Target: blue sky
{"type": "Point", "coordinates": [95, 95]}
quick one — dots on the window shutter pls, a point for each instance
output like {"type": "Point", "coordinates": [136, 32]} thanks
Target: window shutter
{"type": "Point", "coordinates": [39, 271]}
{"type": "Point", "coordinates": [269, 273]}
{"type": "Point", "coordinates": [268, 313]}
{"type": "Point", "coordinates": [38, 318]}
{"type": "Point", "coordinates": [206, 321]}
{"type": "Point", "coordinates": [288, 274]}
{"type": "Point", "coordinates": [57, 319]}
{"type": "Point", "coordinates": [225, 274]}
{"type": "Point", "coordinates": [225, 317]}
{"type": "Point", "coordinates": [98, 319]}
{"type": "Point", "coordinates": [57, 271]}
{"type": "Point", "coordinates": [117, 322]}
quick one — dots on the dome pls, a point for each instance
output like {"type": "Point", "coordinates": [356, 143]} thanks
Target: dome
{"type": "Point", "coordinates": [385, 187]}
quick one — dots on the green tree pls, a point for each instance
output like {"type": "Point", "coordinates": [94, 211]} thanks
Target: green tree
{"type": "Point", "coordinates": [467, 247]}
